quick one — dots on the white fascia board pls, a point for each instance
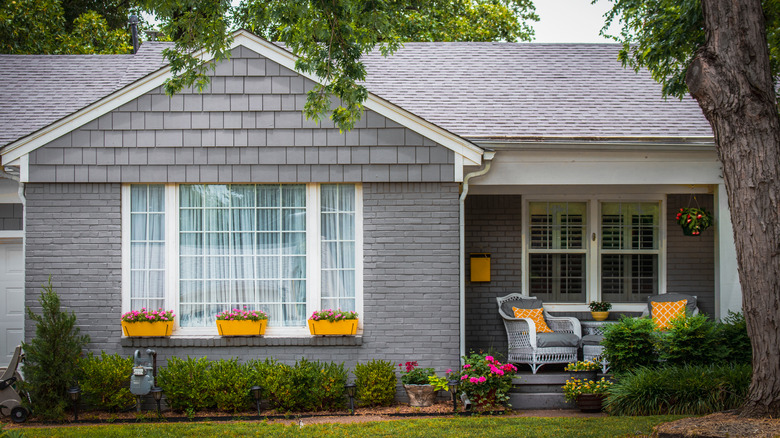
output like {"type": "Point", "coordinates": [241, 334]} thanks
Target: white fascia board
{"type": "Point", "coordinates": [470, 152]}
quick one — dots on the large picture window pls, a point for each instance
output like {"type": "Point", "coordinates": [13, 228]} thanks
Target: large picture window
{"type": "Point", "coordinates": [287, 249]}
{"type": "Point", "coordinates": [565, 262]}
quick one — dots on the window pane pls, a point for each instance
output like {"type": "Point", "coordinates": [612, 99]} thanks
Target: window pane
{"type": "Point", "coordinates": [557, 225]}
{"type": "Point", "coordinates": [254, 241]}
{"type": "Point", "coordinates": [147, 246]}
{"type": "Point", "coordinates": [629, 277]}
{"type": "Point", "coordinates": [630, 225]}
{"type": "Point", "coordinates": [337, 237]}
{"type": "Point", "coordinates": [557, 277]}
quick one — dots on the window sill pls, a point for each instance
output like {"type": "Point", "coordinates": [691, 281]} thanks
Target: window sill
{"type": "Point", "coordinates": [243, 341]}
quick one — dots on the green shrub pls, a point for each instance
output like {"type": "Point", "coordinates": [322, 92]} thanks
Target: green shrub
{"type": "Point", "coordinates": [105, 381]}
{"type": "Point", "coordinates": [186, 384]}
{"type": "Point", "coordinates": [683, 390]}
{"type": "Point", "coordinates": [307, 386]}
{"type": "Point", "coordinates": [229, 383]}
{"type": "Point", "coordinates": [629, 343]}
{"type": "Point", "coordinates": [376, 383]}
{"type": "Point", "coordinates": [691, 340]}
{"type": "Point", "coordinates": [735, 340]}
{"type": "Point", "coordinates": [51, 357]}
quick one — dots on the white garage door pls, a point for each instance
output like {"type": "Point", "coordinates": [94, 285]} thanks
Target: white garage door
{"type": "Point", "coordinates": [11, 299]}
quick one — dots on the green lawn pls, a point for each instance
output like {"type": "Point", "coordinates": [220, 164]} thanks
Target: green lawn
{"type": "Point", "coordinates": [445, 428]}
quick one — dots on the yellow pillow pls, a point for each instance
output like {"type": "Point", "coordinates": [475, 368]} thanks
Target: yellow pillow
{"type": "Point", "coordinates": [664, 312]}
{"type": "Point", "coordinates": [536, 316]}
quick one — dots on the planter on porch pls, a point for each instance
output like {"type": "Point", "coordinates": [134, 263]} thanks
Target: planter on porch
{"type": "Point", "coordinates": [159, 328]}
{"type": "Point", "coordinates": [345, 327]}
{"type": "Point", "coordinates": [584, 375]}
{"type": "Point", "coordinates": [241, 328]}
{"type": "Point", "coordinates": [420, 395]}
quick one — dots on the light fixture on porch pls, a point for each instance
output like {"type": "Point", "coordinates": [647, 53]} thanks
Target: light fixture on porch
{"type": "Point", "coordinates": [453, 387]}
{"type": "Point", "coordinates": [256, 392]}
{"type": "Point", "coordinates": [351, 390]}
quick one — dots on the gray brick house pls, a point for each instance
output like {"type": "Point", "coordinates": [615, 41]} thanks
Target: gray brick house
{"type": "Point", "coordinates": [537, 154]}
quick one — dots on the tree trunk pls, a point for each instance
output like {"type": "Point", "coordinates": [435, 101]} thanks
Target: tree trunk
{"type": "Point", "coordinates": [730, 78]}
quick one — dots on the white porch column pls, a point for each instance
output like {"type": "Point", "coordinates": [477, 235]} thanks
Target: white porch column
{"type": "Point", "coordinates": [728, 292]}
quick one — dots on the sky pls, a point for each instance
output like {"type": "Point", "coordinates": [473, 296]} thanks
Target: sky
{"type": "Point", "coordinates": [570, 21]}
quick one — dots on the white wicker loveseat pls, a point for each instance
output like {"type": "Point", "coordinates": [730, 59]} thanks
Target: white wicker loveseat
{"type": "Point", "coordinates": [536, 349]}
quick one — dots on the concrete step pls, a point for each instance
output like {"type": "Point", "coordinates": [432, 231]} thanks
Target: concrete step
{"type": "Point", "coordinates": [541, 400]}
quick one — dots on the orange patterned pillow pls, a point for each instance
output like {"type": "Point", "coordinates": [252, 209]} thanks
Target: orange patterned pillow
{"type": "Point", "coordinates": [665, 312]}
{"type": "Point", "coordinates": [536, 316]}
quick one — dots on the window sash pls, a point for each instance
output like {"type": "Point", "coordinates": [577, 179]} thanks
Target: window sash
{"type": "Point", "coordinates": [147, 247]}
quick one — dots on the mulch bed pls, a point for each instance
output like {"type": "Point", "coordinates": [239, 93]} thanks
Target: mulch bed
{"type": "Point", "coordinates": [720, 425]}
{"type": "Point", "coordinates": [396, 412]}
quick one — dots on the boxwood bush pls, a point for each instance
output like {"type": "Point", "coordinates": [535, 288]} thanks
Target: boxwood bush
{"type": "Point", "coordinates": [186, 384]}
{"type": "Point", "coordinates": [105, 381]}
{"type": "Point", "coordinates": [229, 383]}
{"type": "Point", "coordinates": [376, 382]}
{"type": "Point", "coordinates": [306, 386]}
{"type": "Point", "coordinates": [629, 344]}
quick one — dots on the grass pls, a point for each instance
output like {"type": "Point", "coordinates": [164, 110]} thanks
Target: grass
{"type": "Point", "coordinates": [444, 428]}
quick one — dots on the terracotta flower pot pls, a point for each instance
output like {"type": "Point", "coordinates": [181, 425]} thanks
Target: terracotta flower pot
{"type": "Point", "coordinates": [420, 395]}
{"type": "Point", "coordinates": [590, 402]}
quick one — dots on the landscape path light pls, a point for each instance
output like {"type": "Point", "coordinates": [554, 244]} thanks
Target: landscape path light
{"type": "Point", "coordinates": [157, 394]}
{"type": "Point", "coordinates": [351, 390]}
{"type": "Point", "coordinates": [75, 392]}
{"type": "Point", "coordinates": [453, 387]}
{"type": "Point", "coordinates": [256, 392]}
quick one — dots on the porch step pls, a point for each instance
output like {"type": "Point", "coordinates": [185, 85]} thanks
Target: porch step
{"type": "Point", "coordinates": [539, 391]}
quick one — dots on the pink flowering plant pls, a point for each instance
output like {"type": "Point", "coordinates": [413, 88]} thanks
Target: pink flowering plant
{"type": "Point", "coordinates": [486, 381]}
{"type": "Point", "coordinates": [144, 315]}
{"type": "Point", "coordinates": [412, 375]}
{"type": "Point", "coordinates": [241, 315]}
{"type": "Point", "coordinates": [333, 315]}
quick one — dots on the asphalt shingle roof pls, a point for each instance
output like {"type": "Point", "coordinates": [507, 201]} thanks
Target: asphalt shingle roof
{"type": "Point", "coordinates": [530, 90]}
{"type": "Point", "coordinates": [38, 90]}
{"type": "Point", "coordinates": [475, 90]}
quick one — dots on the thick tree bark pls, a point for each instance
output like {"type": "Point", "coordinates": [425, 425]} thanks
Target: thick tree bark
{"type": "Point", "coordinates": [730, 78]}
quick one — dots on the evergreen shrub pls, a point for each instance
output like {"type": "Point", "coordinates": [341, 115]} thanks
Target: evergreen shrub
{"type": "Point", "coordinates": [306, 386]}
{"type": "Point", "coordinates": [376, 383]}
{"type": "Point", "coordinates": [229, 383]}
{"type": "Point", "coordinates": [693, 340]}
{"type": "Point", "coordinates": [735, 340]}
{"type": "Point", "coordinates": [629, 344]}
{"type": "Point", "coordinates": [51, 364]}
{"type": "Point", "coordinates": [186, 384]}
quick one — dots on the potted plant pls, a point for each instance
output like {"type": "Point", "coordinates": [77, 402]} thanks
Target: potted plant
{"type": "Point", "coordinates": [148, 322]}
{"type": "Point", "coordinates": [588, 394]}
{"type": "Point", "coordinates": [583, 370]}
{"type": "Point", "coordinates": [333, 322]}
{"type": "Point", "coordinates": [599, 310]}
{"type": "Point", "coordinates": [418, 385]}
{"type": "Point", "coordinates": [242, 322]}
{"type": "Point", "coordinates": [694, 220]}
{"type": "Point", "coordinates": [486, 381]}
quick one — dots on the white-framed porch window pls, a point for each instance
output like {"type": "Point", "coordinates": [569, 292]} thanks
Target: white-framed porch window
{"type": "Point", "coordinates": [582, 249]}
{"type": "Point", "coordinates": [287, 249]}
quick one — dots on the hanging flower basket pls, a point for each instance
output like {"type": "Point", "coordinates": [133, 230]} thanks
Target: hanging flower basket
{"type": "Point", "coordinates": [694, 220]}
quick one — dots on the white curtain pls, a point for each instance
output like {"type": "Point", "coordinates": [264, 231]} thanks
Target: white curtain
{"type": "Point", "coordinates": [147, 246]}
{"type": "Point", "coordinates": [337, 240]}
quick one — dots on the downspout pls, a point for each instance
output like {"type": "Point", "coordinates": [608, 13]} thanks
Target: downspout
{"type": "Point", "coordinates": [488, 158]}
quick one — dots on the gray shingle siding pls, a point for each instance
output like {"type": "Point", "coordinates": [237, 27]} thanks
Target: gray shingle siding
{"type": "Point", "coordinates": [410, 272]}
{"type": "Point", "coordinates": [11, 217]}
{"type": "Point", "coordinates": [231, 132]}
{"type": "Point", "coordinates": [690, 260]}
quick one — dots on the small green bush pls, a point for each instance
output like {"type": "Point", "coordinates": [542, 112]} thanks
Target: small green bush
{"type": "Point", "coordinates": [683, 390]}
{"type": "Point", "coordinates": [735, 340]}
{"type": "Point", "coordinates": [306, 386]}
{"type": "Point", "coordinates": [52, 357]}
{"type": "Point", "coordinates": [693, 340]}
{"type": "Point", "coordinates": [629, 343]}
{"type": "Point", "coordinates": [186, 384]}
{"type": "Point", "coordinates": [229, 383]}
{"type": "Point", "coordinates": [376, 383]}
{"type": "Point", "coordinates": [105, 381]}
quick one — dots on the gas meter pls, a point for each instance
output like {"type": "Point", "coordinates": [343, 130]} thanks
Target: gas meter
{"type": "Point", "coordinates": [144, 372]}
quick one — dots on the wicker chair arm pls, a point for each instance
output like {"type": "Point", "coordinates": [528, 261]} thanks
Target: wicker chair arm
{"type": "Point", "coordinates": [521, 327]}
{"type": "Point", "coordinates": [565, 324]}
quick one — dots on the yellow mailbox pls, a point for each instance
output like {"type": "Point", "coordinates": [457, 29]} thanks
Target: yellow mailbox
{"type": "Point", "coordinates": [480, 267]}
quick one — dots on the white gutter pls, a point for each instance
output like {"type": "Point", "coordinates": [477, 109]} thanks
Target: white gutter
{"type": "Point", "coordinates": [488, 157]}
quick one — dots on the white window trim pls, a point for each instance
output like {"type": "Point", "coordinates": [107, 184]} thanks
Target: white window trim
{"type": "Point", "coordinates": [313, 260]}
{"type": "Point", "coordinates": [593, 250]}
